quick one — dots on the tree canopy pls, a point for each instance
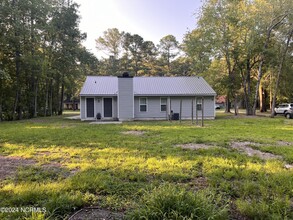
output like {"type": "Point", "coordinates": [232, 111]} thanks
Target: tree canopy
{"type": "Point", "coordinates": [41, 57]}
{"type": "Point", "coordinates": [130, 52]}
{"type": "Point", "coordinates": [244, 35]}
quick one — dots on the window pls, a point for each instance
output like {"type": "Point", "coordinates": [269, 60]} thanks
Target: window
{"type": "Point", "coordinates": [163, 104]}
{"type": "Point", "coordinates": [198, 104]}
{"type": "Point", "coordinates": [142, 104]}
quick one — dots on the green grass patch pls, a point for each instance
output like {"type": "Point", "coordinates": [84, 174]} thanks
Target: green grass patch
{"type": "Point", "coordinates": [285, 151]}
{"type": "Point", "coordinates": [171, 202]}
{"type": "Point", "coordinates": [79, 165]}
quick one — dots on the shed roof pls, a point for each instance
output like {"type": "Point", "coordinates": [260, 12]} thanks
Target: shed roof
{"type": "Point", "coordinates": [148, 86]}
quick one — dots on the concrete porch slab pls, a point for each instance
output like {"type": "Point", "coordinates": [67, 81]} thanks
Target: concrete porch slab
{"type": "Point", "coordinates": [105, 122]}
{"type": "Point", "coordinates": [77, 117]}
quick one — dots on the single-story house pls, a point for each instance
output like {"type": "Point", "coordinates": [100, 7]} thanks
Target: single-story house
{"type": "Point", "coordinates": [145, 98]}
{"type": "Point", "coordinates": [221, 101]}
{"type": "Point", "coordinates": [71, 104]}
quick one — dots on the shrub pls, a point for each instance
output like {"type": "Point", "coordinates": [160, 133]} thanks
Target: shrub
{"type": "Point", "coordinates": [172, 202]}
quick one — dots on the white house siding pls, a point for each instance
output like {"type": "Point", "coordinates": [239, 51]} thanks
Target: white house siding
{"type": "Point", "coordinates": [154, 108]}
{"type": "Point", "coordinates": [82, 108]}
{"type": "Point", "coordinates": [209, 106]}
{"type": "Point", "coordinates": [115, 108]}
{"type": "Point", "coordinates": [98, 106]}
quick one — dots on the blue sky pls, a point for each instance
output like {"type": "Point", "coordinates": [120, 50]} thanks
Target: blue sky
{"type": "Point", "coordinates": [151, 19]}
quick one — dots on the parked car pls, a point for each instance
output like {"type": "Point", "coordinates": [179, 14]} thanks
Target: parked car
{"type": "Point", "coordinates": [283, 108]}
{"type": "Point", "coordinates": [289, 113]}
{"type": "Point", "coordinates": [217, 106]}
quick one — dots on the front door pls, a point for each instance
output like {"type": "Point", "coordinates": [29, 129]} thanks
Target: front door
{"type": "Point", "coordinates": [107, 107]}
{"type": "Point", "coordinates": [90, 108]}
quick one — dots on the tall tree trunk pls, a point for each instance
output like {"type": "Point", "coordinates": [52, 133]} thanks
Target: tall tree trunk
{"type": "Point", "coordinates": [275, 22]}
{"type": "Point", "coordinates": [271, 91]}
{"type": "Point", "coordinates": [36, 99]}
{"type": "Point", "coordinates": [280, 70]}
{"type": "Point", "coordinates": [246, 99]}
{"type": "Point", "coordinates": [1, 100]}
{"type": "Point", "coordinates": [60, 109]}
{"type": "Point", "coordinates": [56, 99]}
{"type": "Point", "coordinates": [1, 109]}
{"type": "Point", "coordinates": [228, 104]}
{"type": "Point", "coordinates": [35, 80]}
{"type": "Point", "coordinates": [168, 60]}
{"type": "Point", "coordinates": [232, 88]}
{"type": "Point", "coordinates": [244, 85]}
{"type": "Point", "coordinates": [249, 110]}
{"type": "Point", "coordinates": [16, 107]}
{"type": "Point", "coordinates": [46, 99]}
{"type": "Point", "coordinates": [61, 100]}
{"type": "Point", "coordinates": [259, 77]}
{"type": "Point", "coordinates": [51, 97]}
{"type": "Point", "coordinates": [235, 106]}
{"type": "Point", "coordinates": [136, 68]}
{"type": "Point", "coordinates": [262, 99]}
{"type": "Point", "coordinates": [260, 93]}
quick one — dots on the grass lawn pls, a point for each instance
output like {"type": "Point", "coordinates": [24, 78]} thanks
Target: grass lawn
{"type": "Point", "coordinates": [68, 165]}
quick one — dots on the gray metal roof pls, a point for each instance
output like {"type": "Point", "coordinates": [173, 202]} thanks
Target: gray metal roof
{"type": "Point", "coordinates": [149, 86]}
{"type": "Point", "coordinates": [172, 86]}
{"type": "Point", "coordinates": [102, 85]}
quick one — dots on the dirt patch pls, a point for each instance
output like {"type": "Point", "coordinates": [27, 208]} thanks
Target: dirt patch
{"type": "Point", "coordinates": [199, 183]}
{"type": "Point", "coordinates": [245, 147]}
{"type": "Point", "coordinates": [96, 214]}
{"type": "Point", "coordinates": [137, 133]}
{"type": "Point", "coordinates": [193, 146]}
{"type": "Point", "coordinates": [58, 167]}
{"type": "Point", "coordinates": [52, 165]}
{"type": "Point", "coordinates": [73, 172]}
{"type": "Point", "coordinates": [288, 166]}
{"type": "Point", "coordinates": [235, 213]}
{"type": "Point", "coordinates": [9, 165]}
{"type": "Point", "coordinates": [284, 143]}
{"type": "Point", "coordinates": [39, 120]}
{"type": "Point", "coordinates": [43, 153]}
